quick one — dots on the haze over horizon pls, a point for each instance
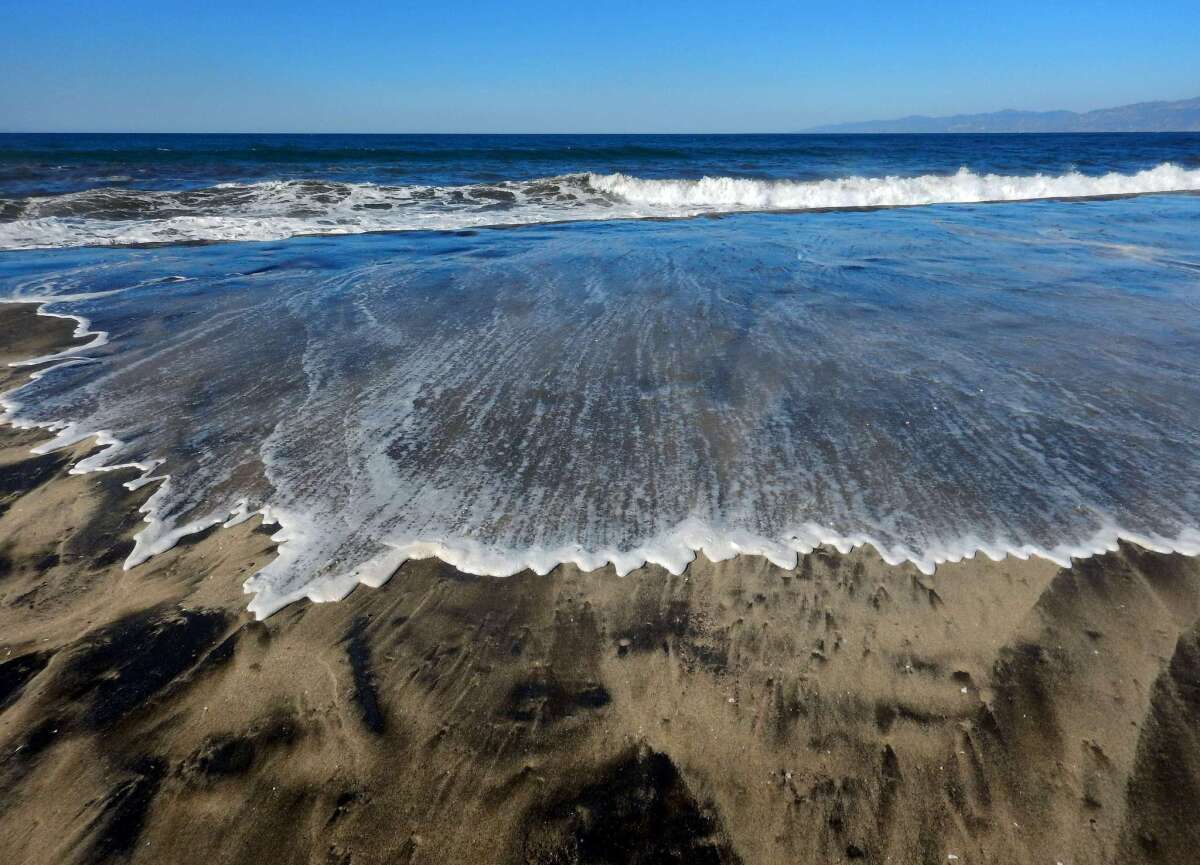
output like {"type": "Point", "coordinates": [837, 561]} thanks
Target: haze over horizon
{"type": "Point", "coordinates": [535, 67]}
{"type": "Point", "coordinates": [1181, 115]}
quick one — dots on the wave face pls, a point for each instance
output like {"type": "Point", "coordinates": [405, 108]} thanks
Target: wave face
{"type": "Point", "coordinates": [935, 381]}
{"type": "Point", "coordinates": [278, 209]}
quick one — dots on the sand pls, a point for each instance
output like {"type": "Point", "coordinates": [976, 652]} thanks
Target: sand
{"type": "Point", "coordinates": [996, 712]}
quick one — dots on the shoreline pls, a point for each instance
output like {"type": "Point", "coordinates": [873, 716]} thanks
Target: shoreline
{"type": "Point", "coordinates": [675, 550]}
{"type": "Point", "coordinates": [845, 710]}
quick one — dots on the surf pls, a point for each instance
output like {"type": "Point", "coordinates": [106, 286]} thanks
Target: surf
{"type": "Point", "coordinates": [280, 209]}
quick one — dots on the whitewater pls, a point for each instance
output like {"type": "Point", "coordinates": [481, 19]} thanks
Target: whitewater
{"type": "Point", "coordinates": [937, 382]}
{"type": "Point", "coordinates": [278, 209]}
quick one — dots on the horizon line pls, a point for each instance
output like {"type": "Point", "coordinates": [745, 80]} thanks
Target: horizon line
{"type": "Point", "coordinates": [815, 132]}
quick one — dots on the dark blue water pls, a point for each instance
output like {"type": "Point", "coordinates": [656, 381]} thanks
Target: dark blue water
{"type": "Point", "coordinates": [936, 344]}
{"type": "Point", "coordinates": [51, 164]}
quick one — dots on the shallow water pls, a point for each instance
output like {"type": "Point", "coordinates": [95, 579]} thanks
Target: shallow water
{"type": "Point", "coordinates": [1014, 377]}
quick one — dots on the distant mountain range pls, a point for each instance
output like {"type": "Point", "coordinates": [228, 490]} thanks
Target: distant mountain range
{"type": "Point", "coordinates": [1180, 116]}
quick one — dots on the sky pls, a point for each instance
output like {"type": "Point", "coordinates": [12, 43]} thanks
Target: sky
{"type": "Point", "coordinates": [592, 66]}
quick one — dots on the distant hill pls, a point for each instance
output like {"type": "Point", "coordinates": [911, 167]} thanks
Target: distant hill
{"type": "Point", "coordinates": [1180, 116]}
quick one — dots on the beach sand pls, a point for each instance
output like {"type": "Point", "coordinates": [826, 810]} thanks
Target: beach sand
{"type": "Point", "coordinates": [847, 710]}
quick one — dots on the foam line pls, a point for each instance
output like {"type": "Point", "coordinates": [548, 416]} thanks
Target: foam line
{"type": "Point", "coordinates": [673, 550]}
{"type": "Point", "coordinates": [269, 210]}
{"type": "Point", "coordinates": [644, 394]}
{"type": "Point", "coordinates": [157, 537]}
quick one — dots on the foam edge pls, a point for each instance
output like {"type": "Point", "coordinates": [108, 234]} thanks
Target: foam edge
{"type": "Point", "coordinates": [673, 549]}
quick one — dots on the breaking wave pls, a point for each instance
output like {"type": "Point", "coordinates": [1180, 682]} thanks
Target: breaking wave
{"type": "Point", "coordinates": [278, 209]}
{"type": "Point", "coordinates": [962, 187]}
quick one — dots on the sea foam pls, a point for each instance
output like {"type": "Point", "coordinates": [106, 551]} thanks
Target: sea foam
{"type": "Point", "coordinates": [962, 187]}
{"type": "Point", "coordinates": [1002, 380]}
{"type": "Point", "coordinates": [278, 209]}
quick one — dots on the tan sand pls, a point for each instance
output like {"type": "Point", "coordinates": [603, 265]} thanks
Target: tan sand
{"type": "Point", "coordinates": [1010, 712]}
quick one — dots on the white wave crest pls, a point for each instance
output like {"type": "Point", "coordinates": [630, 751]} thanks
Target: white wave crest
{"type": "Point", "coordinates": [733, 193]}
{"type": "Point", "coordinates": [278, 209]}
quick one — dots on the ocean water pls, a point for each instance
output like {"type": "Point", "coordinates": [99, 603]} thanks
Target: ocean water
{"type": "Point", "coordinates": [513, 351]}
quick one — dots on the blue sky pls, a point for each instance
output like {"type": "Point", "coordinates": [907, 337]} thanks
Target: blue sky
{"type": "Point", "coordinates": [261, 65]}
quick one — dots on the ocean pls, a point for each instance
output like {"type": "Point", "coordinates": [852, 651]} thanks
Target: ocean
{"type": "Point", "coordinates": [517, 351]}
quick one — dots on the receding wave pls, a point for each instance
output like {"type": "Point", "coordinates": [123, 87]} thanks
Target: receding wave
{"type": "Point", "coordinates": [1005, 379]}
{"type": "Point", "coordinates": [273, 210]}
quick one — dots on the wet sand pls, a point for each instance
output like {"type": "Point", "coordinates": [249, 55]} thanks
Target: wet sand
{"type": "Point", "coordinates": [846, 710]}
